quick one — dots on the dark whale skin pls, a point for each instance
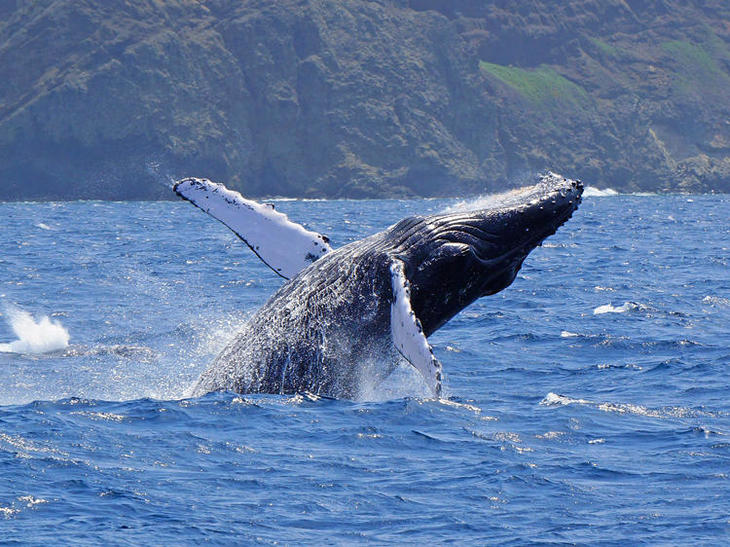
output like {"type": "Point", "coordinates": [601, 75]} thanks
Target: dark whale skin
{"type": "Point", "coordinates": [328, 329]}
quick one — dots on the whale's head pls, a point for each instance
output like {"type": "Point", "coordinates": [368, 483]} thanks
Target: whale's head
{"type": "Point", "coordinates": [452, 259]}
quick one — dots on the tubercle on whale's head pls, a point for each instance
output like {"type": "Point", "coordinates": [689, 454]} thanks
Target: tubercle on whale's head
{"type": "Point", "coordinates": [454, 258]}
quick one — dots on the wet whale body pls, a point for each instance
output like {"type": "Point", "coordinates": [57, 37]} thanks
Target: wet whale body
{"type": "Point", "coordinates": [345, 318]}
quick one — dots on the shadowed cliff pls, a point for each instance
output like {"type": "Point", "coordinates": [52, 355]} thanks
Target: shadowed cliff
{"type": "Point", "coordinates": [351, 98]}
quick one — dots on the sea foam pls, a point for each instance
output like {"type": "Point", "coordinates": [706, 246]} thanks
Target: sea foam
{"type": "Point", "coordinates": [41, 336]}
{"type": "Point", "coordinates": [593, 192]}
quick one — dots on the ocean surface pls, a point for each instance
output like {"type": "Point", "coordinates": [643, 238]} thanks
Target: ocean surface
{"type": "Point", "coordinates": [586, 403]}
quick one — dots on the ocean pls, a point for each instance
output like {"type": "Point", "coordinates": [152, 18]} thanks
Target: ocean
{"type": "Point", "coordinates": [587, 403]}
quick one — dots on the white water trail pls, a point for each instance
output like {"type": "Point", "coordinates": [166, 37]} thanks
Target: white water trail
{"type": "Point", "coordinates": [41, 336]}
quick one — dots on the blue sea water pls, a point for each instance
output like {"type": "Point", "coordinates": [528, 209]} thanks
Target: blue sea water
{"type": "Point", "coordinates": [586, 403]}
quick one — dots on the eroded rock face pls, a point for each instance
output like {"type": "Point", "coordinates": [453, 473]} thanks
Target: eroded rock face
{"type": "Point", "coordinates": [352, 98]}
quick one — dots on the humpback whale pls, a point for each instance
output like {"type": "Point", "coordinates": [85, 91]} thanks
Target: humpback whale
{"type": "Point", "coordinates": [358, 311]}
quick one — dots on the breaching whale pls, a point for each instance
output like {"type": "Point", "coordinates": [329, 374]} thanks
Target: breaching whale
{"type": "Point", "coordinates": [356, 312]}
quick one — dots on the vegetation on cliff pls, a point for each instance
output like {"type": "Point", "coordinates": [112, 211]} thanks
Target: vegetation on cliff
{"type": "Point", "coordinates": [355, 98]}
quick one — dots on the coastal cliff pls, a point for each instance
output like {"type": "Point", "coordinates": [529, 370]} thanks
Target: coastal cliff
{"type": "Point", "coordinates": [350, 98]}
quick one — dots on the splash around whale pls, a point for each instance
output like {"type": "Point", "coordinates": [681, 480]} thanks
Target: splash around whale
{"type": "Point", "coordinates": [353, 314]}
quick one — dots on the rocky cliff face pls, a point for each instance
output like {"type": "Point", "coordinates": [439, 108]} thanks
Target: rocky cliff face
{"type": "Point", "coordinates": [349, 98]}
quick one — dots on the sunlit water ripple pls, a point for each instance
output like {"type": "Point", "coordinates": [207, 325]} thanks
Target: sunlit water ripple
{"type": "Point", "coordinates": [587, 402]}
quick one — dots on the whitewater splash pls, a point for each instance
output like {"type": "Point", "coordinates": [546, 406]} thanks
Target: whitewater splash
{"type": "Point", "coordinates": [593, 192]}
{"type": "Point", "coordinates": [626, 306]}
{"type": "Point", "coordinates": [161, 174]}
{"type": "Point", "coordinates": [42, 336]}
{"type": "Point", "coordinates": [506, 199]}
{"type": "Point", "coordinates": [495, 200]}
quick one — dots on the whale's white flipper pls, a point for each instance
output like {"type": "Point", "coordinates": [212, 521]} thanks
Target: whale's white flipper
{"type": "Point", "coordinates": [285, 246]}
{"type": "Point", "coordinates": [407, 333]}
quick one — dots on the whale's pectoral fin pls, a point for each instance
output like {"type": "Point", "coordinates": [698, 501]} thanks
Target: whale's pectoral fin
{"type": "Point", "coordinates": [285, 246]}
{"type": "Point", "coordinates": [407, 333]}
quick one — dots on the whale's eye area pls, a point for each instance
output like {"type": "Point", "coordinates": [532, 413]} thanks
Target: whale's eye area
{"type": "Point", "coordinates": [470, 241]}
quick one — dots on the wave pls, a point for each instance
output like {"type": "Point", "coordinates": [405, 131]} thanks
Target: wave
{"type": "Point", "coordinates": [41, 336]}
{"type": "Point", "coordinates": [555, 400]}
{"type": "Point", "coordinates": [623, 308]}
{"type": "Point", "coordinates": [716, 301]}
